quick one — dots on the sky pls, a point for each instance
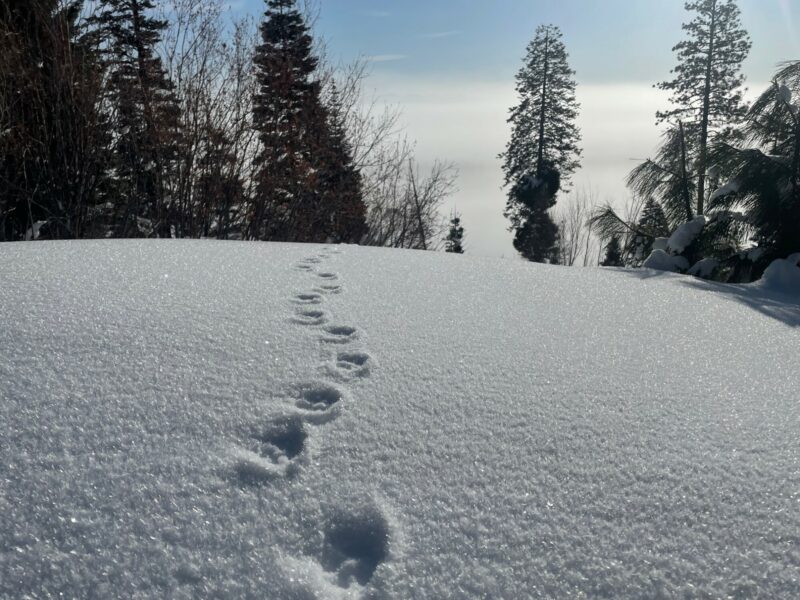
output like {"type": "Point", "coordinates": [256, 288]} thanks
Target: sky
{"type": "Point", "coordinates": [450, 66]}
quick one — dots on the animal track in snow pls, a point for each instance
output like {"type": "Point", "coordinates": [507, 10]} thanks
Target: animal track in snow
{"type": "Point", "coordinates": [356, 543]}
{"type": "Point", "coordinates": [328, 276]}
{"type": "Point", "coordinates": [319, 397]}
{"type": "Point", "coordinates": [284, 439]}
{"type": "Point", "coordinates": [303, 267]}
{"type": "Point", "coordinates": [311, 317]}
{"type": "Point", "coordinates": [309, 298]}
{"type": "Point", "coordinates": [353, 363]}
{"type": "Point", "coordinates": [339, 334]}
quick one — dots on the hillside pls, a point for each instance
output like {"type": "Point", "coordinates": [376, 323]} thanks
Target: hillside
{"type": "Point", "coordinates": [210, 419]}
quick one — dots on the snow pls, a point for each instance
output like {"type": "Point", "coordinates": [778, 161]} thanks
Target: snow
{"type": "Point", "coordinates": [661, 261]}
{"type": "Point", "coordinates": [174, 423]}
{"type": "Point", "coordinates": [731, 187]}
{"type": "Point", "coordinates": [785, 94]}
{"type": "Point", "coordinates": [704, 268]}
{"type": "Point", "coordinates": [783, 276]}
{"type": "Point", "coordinates": [660, 243]}
{"type": "Point", "coordinates": [684, 235]}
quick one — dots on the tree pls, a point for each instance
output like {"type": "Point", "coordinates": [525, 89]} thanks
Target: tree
{"type": "Point", "coordinates": [146, 117]}
{"type": "Point", "coordinates": [51, 131]}
{"type": "Point", "coordinates": [707, 88]}
{"type": "Point", "coordinates": [454, 242]}
{"type": "Point", "coordinates": [544, 134]}
{"type": "Point", "coordinates": [613, 256]}
{"type": "Point", "coordinates": [536, 236]}
{"type": "Point", "coordinates": [308, 188]}
{"type": "Point", "coordinates": [764, 190]}
{"type": "Point", "coordinates": [544, 139]}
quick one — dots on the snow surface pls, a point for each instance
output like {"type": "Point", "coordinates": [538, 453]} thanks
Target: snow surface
{"type": "Point", "coordinates": [684, 235]}
{"type": "Point", "coordinates": [704, 268]}
{"type": "Point", "coordinates": [223, 419]}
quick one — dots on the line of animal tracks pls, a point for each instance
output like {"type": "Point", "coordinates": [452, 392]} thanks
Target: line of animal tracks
{"type": "Point", "coordinates": [356, 537]}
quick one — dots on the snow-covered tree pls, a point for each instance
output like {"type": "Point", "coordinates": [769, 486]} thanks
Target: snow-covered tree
{"type": "Point", "coordinates": [707, 85]}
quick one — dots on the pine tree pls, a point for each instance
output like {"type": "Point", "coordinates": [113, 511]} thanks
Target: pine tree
{"type": "Point", "coordinates": [536, 236]}
{"type": "Point", "coordinates": [544, 142]}
{"type": "Point", "coordinates": [341, 214]}
{"type": "Point", "coordinates": [613, 256]}
{"type": "Point", "coordinates": [307, 186]}
{"type": "Point", "coordinates": [544, 134]}
{"type": "Point", "coordinates": [707, 88]}
{"type": "Point", "coordinates": [454, 242]}
{"type": "Point", "coordinates": [147, 116]}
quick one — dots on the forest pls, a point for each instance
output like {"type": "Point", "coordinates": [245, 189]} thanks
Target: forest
{"type": "Point", "coordinates": [137, 119]}
{"type": "Point", "coordinates": [145, 118]}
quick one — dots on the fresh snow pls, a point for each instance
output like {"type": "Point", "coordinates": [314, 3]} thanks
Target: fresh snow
{"type": "Point", "coordinates": [704, 268]}
{"type": "Point", "coordinates": [783, 276]}
{"type": "Point", "coordinates": [206, 419]}
{"type": "Point", "coordinates": [661, 261]}
{"type": "Point", "coordinates": [732, 187]}
{"type": "Point", "coordinates": [685, 234]}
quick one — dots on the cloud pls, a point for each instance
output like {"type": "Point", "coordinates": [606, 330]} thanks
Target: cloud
{"type": "Point", "coordinates": [439, 34]}
{"type": "Point", "coordinates": [386, 57]}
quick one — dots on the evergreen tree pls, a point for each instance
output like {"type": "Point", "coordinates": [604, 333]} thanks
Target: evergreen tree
{"type": "Point", "coordinates": [544, 134]}
{"type": "Point", "coordinates": [707, 88]}
{"type": "Point", "coordinates": [308, 188]}
{"type": "Point", "coordinates": [341, 214]}
{"type": "Point", "coordinates": [147, 117]}
{"type": "Point", "coordinates": [454, 242]}
{"type": "Point", "coordinates": [536, 236]}
{"type": "Point", "coordinates": [220, 191]}
{"type": "Point", "coordinates": [544, 142]}
{"type": "Point", "coordinates": [613, 256]}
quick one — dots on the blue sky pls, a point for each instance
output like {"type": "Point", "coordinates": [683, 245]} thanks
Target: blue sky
{"type": "Point", "coordinates": [450, 64]}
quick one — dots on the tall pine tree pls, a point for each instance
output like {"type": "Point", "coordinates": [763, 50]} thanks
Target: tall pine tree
{"type": "Point", "coordinates": [307, 186]}
{"type": "Point", "coordinates": [544, 141]}
{"type": "Point", "coordinates": [146, 117]}
{"type": "Point", "coordinates": [707, 87]}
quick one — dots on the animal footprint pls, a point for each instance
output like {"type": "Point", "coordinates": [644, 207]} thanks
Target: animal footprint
{"type": "Point", "coordinates": [330, 288]}
{"type": "Point", "coordinates": [309, 298]}
{"type": "Point", "coordinates": [303, 267]}
{"type": "Point", "coordinates": [319, 403]}
{"type": "Point", "coordinates": [328, 276]}
{"type": "Point", "coordinates": [353, 364]}
{"type": "Point", "coordinates": [283, 440]}
{"type": "Point", "coordinates": [356, 543]}
{"type": "Point", "coordinates": [310, 317]}
{"type": "Point", "coordinates": [339, 334]}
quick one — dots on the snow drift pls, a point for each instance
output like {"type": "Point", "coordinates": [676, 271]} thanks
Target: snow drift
{"type": "Point", "coordinates": [209, 419]}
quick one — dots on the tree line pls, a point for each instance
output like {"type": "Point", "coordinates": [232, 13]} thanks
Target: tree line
{"type": "Point", "coordinates": [721, 197]}
{"type": "Point", "coordinates": [137, 118]}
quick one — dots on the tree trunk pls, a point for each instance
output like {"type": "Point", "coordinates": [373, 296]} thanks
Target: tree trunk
{"type": "Point", "coordinates": [540, 158]}
{"type": "Point", "coordinates": [701, 163]}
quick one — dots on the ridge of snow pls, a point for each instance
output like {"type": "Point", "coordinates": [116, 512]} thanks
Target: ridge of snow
{"type": "Point", "coordinates": [782, 275]}
{"type": "Point", "coordinates": [662, 261]}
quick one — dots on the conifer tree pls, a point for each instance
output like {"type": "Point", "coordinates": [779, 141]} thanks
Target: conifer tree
{"type": "Point", "coordinates": [341, 214]}
{"type": "Point", "coordinates": [707, 87]}
{"type": "Point", "coordinates": [544, 134]}
{"type": "Point", "coordinates": [544, 142]}
{"type": "Point", "coordinates": [147, 117]}
{"type": "Point", "coordinates": [536, 236]}
{"type": "Point", "coordinates": [308, 188]}
{"type": "Point", "coordinates": [454, 242]}
{"type": "Point", "coordinates": [613, 257]}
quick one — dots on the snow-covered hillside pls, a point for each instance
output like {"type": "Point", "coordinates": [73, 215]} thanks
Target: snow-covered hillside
{"type": "Point", "coordinates": [210, 419]}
